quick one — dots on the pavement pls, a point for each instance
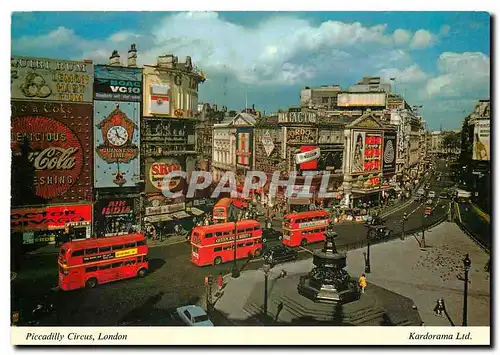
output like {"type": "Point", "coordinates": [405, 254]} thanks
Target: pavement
{"type": "Point", "coordinates": [422, 275]}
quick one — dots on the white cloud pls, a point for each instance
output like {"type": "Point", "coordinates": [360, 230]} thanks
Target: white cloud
{"type": "Point", "coordinates": [461, 74]}
{"type": "Point", "coordinates": [411, 74]}
{"type": "Point", "coordinates": [280, 50]}
{"type": "Point", "coordinates": [401, 37]}
{"type": "Point", "coordinates": [422, 39]}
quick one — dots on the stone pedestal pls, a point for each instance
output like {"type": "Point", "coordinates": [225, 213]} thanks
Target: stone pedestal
{"type": "Point", "coordinates": [328, 281]}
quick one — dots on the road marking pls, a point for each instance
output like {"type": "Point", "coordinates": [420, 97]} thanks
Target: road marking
{"type": "Point", "coordinates": [305, 249]}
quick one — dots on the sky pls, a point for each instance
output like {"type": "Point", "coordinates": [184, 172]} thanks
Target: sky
{"type": "Point", "coordinates": [441, 60]}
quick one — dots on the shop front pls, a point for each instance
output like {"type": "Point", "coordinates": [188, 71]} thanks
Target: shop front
{"type": "Point", "coordinates": [37, 226]}
{"type": "Point", "coordinates": [114, 216]}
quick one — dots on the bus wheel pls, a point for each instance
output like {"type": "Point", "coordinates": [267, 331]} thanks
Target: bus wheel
{"type": "Point", "coordinates": [142, 272]}
{"type": "Point", "coordinates": [257, 252]}
{"type": "Point", "coordinates": [91, 283]}
{"type": "Point", "coordinates": [218, 260]}
{"type": "Point", "coordinates": [303, 242]}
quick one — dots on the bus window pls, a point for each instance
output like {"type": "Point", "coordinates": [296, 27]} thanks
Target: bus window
{"type": "Point", "coordinates": [141, 242]}
{"type": "Point", "coordinates": [78, 252]}
{"type": "Point", "coordinates": [104, 249]}
{"type": "Point", "coordinates": [63, 251]}
{"type": "Point", "coordinates": [228, 247]}
{"type": "Point", "coordinates": [217, 249]}
{"type": "Point", "coordinates": [208, 235]}
{"type": "Point", "coordinates": [118, 264]}
{"type": "Point", "coordinates": [218, 234]}
{"type": "Point", "coordinates": [90, 251]}
{"type": "Point", "coordinates": [105, 267]}
{"type": "Point", "coordinates": [91, 269]}
{"type": "Point", "coordinates": [117, 247]}
{"type": "Point", "coordinates": [257, 228]}
{"type": "Point", "coordinates": [129, 245]}
{"type": "Point", "coordinates": [241, 245]}
{"type": "Point", "coordinates": [226, 233]}
{"type": "Point", "coordinates": [195, 248]}
{"type": "Point", "coordinates": [249, 243]}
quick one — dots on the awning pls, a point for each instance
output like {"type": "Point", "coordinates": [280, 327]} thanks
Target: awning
{"type": "Point", "coordinates": [181, 215]}
{"type": "Point", "coordinates": [159, 218]}
{"type": "Point", "coordinates": [197, 212]}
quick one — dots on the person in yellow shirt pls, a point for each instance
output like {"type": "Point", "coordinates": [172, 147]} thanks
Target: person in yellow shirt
{"type": "Point", "coordinates": [362, 283]}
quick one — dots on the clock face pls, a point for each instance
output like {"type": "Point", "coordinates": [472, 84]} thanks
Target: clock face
{"type": "Point", "coordinates": [117, 135]}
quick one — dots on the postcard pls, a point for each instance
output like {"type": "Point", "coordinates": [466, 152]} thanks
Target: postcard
{"type": "Point", "coordinates": [250, 178]}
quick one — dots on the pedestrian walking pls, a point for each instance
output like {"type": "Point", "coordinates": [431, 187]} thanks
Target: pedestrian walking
{"type": "Point", "coordinates": [362, 283]}
{"type": "Point", "coordinates": [220, 281]}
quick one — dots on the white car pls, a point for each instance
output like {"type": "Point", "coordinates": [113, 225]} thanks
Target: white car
{"type": "Point", "coordinates": [194, 315]}
{"type": "Point", "coordinates": [431, 194]}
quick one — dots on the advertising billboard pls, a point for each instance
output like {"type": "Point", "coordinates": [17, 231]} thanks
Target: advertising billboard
{"type": "Point", "coordinates": [361, 99]}
{"type": "Point", "coordinates": [331, 160]}
{"type": "Point", "coordinates": [481, 145]}
{"type": "Point", "coordinates": [42, 79]}
{"type": "Point", "coordinates": [48, 217]}
{"type": "Point", "coordinates": [299, 135]}
{"type": "Point", "coordinates": [244, 147]}
{"type": "Point", "coordinates": [51, 150]}
{"type": "Point", "coordinates": [158, 169]}
{"type": "Point", "coordinates": [308, 157]}
{"type": "Point", "coordinates": [116, 143]}
{"type": "Point", "coordinates": [389, 152]}
{"type": "Point", "coordinates": [114, 216]}
{"type": "Point", "coordinates": [117, 83]}
{"type": "Point", "coordinates": [366, 152]}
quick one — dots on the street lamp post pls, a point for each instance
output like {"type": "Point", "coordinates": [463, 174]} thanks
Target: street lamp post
{"type": "Point", "coordinates": [423, 229]}
{"type": "Point", "coordinates": [367, 254]}
{"type": "Point", "coordinates": [235, 273]}
{"type": "Point", "coordinates": [467, 264]}
{"type": "Point", "coordinates": [266, 267]}
{"type": "Point", "coordinates": [405, 217]}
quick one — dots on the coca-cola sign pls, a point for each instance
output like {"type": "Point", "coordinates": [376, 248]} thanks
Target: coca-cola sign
{"type": "Point", "coordinates": [50, 148]}
{"type": "Point", "coordinates": [57, 163]}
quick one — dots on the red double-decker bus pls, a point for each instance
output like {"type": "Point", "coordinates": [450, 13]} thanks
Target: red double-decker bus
{"type": "Point", "coordinates": [220, 212]}
{"type": "Point", "coordinates": [214, 244]}
{"type": "Point", "coordinates": [89, 262]}
{"type": "Point", "coordinates": [303, 228]}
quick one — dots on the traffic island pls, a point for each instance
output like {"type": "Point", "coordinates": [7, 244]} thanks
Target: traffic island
{"type": "Point", "coordinates": [286, 306]}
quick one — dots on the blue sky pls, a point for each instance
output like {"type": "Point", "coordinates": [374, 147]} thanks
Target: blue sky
{"type": "Point", "coordinates": [441, 60]}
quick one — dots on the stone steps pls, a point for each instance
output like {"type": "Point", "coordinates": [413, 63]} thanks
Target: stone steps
{"type": "Point", "coordinates": [371, 315]}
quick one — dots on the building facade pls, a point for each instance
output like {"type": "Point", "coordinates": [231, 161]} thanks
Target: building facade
{"type": "Point", "coordinates": [370, 159]}
{"type": "Point", "coordinates": [169, 114]}
{"type": "Point", "coordinates": [117, 137]}
{"type": "Point", "coordinates": [51, 147]}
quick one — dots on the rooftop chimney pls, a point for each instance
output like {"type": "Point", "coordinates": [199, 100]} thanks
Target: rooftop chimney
{"type": "Point", "coordinates": [188, 64]}
{"type": "Point", "coordinates": [114, 60]}
{"type": "Point", "coordinates": [132, 56]}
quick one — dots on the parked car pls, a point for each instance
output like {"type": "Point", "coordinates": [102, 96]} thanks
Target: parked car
{"type": "Point", "coordinates": [279, 254]}
{"type": "Point", "coordinates": [194, 315]}
{"type": "Point", "coordinates": [431, 194]}
{"type": "Point", "coordinates": [271, 234]}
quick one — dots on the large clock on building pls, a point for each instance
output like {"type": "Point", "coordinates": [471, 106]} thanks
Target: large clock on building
{"type": "Point", "coordinates": [117, 136]}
